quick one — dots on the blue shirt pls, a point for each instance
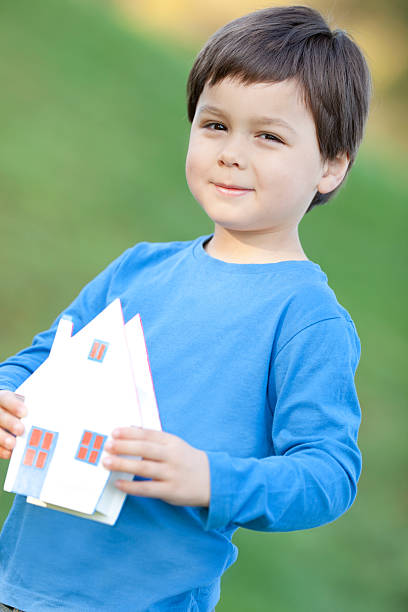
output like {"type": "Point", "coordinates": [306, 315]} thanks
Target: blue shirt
{"type": "Point", "coordinates": [253, 363]}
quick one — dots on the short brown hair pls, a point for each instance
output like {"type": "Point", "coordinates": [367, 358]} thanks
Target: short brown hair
{"type": "Point", "coordinates": [278, 43]}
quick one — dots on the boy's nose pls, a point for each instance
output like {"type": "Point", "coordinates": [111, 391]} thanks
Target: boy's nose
{"type": "Point", "coordinates": [223, 161]}
{"type": "Point", "coordinates": [232, 156]}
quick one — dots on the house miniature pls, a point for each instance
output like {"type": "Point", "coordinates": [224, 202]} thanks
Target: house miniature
{"type": "Point", "coordinates": [91, 383]}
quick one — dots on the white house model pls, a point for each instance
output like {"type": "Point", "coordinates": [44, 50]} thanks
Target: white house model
{"type": "Point", "coordinates": [91, 383]}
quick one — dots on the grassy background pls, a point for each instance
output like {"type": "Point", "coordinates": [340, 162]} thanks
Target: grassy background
{"type": "Point", "coordinates": [93, 137]}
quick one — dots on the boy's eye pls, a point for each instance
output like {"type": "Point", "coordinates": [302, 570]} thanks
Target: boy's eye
{"type": "Point", "coordinates": [271, 137]}
{"type": "Point", "coordinates": [215, 125]}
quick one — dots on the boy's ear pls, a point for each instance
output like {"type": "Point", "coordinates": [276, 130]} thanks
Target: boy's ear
{"type": "Point", "coordinates": [334, 171]}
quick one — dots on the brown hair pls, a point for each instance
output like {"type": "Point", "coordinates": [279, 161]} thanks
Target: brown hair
{"type": "Point", "coordinates": [278, 43]}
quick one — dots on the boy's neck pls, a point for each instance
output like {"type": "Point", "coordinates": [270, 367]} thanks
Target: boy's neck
{"type": "Point", "coordinates": [256, 248]}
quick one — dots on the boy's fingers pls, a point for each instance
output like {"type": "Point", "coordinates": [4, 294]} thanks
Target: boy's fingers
{"type": "Point", "coordinates": [4, 453]}
{"type": "Point", "coordinates": [138, 433]}
{"type": "Point", "coordinates": [143, 488]}
{"type": "Point", "coordinates": [7, 441]}
{"type": "Point", "coordinates": [138, 448]}
{"type": "Point", "coordinates": [13, 403]}
{"type": "Point", "coordinates": [10, 423]}
{"type": "Point", "coordinates": [146, 469]}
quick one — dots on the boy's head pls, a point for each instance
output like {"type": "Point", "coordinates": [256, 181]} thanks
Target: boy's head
{"type": "Point", "coordinates": [294, 43]}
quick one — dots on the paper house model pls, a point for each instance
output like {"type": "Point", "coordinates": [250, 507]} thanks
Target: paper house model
{"type": "Point", "coordinates": [91, 383]}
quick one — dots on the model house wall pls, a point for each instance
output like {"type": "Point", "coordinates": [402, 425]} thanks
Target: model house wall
{"type": "Point", "coordinates": [91, 383]}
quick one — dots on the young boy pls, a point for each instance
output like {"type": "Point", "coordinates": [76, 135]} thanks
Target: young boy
{"type": "Point", "coordinates": [252, 356]}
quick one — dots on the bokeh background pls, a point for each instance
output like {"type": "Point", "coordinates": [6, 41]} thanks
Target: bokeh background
{"type": "Point", "coordinates": [93, 135]}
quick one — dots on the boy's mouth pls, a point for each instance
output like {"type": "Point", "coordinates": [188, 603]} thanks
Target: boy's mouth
{"type": "Point", "coordinates": [231, 189]}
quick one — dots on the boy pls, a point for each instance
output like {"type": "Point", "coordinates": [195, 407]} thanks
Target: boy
{"type": "Point", "coordinates": [252, 357]}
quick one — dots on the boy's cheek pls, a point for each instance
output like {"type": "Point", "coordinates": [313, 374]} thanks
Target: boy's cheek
{"type": "Point", "coordinates": [196, 156]}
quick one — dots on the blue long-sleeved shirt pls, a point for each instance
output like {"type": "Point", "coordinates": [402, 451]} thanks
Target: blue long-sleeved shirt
{"type": "Point", "coordinates": [253, 363]}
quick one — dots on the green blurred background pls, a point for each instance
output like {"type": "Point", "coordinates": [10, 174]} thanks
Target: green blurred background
{"type": "Point", "coordinates": [93, 135]}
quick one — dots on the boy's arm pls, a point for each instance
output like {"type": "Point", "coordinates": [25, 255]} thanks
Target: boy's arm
{"type": "Point", "coordinates": [312, 477]}
{"type": "Point", "coordinates": [310, 480]}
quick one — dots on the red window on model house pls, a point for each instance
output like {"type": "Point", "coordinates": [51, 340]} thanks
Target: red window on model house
{"type": "Point", "coordinates": [37, 458]}
{"type": "Point", "coordinates": [90, 447]}
{"type": "Point", "coordinates": [98, 350]}
{"type": "Point", "coordinates": [38, 447]}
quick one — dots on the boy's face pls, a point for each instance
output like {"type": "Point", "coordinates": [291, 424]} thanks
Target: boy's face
{"type": "Point", "coordinates": [253, 161]}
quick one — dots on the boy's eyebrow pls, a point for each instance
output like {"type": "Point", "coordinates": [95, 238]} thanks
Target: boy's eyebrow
{"type": "Point", "coordinates": [207, 108]}
{"type": "Point", "coordinates": [264, 120]}
{"type": "Point", "coordinates": [275, 121]}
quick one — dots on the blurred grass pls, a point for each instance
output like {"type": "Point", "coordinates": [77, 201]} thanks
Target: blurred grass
{"type": "Point", "coordinates": [93, 138]}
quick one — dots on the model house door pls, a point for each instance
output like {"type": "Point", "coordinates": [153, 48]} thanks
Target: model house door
{"type": "Point", "coordinates": [36, 460]}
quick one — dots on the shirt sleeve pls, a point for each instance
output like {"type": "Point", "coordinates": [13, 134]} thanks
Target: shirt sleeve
{"type": "Point", "coordinates": [311, 477]}
{"type": "Point", "coordinates": [90, 301]}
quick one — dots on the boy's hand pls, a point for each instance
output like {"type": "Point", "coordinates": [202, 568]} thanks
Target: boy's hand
{"type": "Point", "coordinates": [179, 473]}
{"type": "Point", "coordinates": [12, 409]}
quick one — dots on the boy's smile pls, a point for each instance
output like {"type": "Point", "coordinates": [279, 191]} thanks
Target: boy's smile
{"type": "Point", "coordinates": [231, 190]}
{"type": "Point", "coordinates": [253, 161]}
